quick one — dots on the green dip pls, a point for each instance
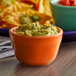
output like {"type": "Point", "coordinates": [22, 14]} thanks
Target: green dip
{"type": "Point", "coordinates": [35, 29]}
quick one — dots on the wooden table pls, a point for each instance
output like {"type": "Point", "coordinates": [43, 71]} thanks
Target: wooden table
{"type": "Point", "coordinates": [64, 65]}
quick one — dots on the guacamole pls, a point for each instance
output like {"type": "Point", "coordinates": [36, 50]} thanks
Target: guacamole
{"type": "Point", "coordinates": [35, 29]}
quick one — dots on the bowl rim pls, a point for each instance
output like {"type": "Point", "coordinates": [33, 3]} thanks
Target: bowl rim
{"type": "Point", "coordinates": [57, 5]}
{"type": "Point", "coordinates": [12, 29]}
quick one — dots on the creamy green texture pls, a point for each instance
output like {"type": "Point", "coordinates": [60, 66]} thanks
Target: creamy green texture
{"type": "Point", "coordinates": [35, 29]}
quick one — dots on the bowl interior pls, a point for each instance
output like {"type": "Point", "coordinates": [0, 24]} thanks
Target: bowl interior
{"type": "Point", "coordinates": [54, 1]}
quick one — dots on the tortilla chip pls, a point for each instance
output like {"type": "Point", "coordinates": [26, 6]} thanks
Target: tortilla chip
{"type": "Point", "coordinates": [12, 14]}
{"type": "Point", "coordinates": [44, 17]}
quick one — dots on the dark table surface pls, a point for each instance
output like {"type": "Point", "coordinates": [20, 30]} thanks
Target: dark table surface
{"type": "Point", "coordinates": [64, 65]}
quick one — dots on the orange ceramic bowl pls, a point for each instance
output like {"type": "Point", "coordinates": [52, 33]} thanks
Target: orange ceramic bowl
{"type": "Point", "coordinates": [36, 50]}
